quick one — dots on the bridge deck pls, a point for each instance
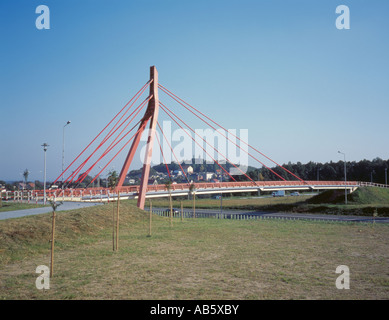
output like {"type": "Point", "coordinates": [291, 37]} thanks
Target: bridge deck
{"type": "Point", "coordinates": [154, 191]}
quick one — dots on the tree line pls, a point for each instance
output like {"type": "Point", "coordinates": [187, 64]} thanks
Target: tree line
{"type": "Point", "coordinates": [364, 170]}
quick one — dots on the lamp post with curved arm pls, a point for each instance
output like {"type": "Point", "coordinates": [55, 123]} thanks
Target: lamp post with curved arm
{"type": "Point", "coordinates": [63, 149]}
{"type": "Point", "coordinates": [45, 145]}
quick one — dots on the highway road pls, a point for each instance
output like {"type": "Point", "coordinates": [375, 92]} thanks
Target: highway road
{"type": "Point", "coordinates": [243, 214]}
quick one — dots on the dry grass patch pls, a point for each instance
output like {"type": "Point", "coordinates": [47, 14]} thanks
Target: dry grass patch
{"type": "Point", "coordinates": [196, 259]}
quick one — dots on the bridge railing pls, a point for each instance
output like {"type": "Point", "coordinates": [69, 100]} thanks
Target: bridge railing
{"type": "Point", "coordinates": [372, 184]}
{"type": "Point", "coordinates": [93, 193]}
{"type": "Point", "coordinates": [188, 214]}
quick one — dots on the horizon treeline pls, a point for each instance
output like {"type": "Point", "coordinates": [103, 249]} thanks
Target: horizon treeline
{"type": "Point", "coordinates": [365, 170]}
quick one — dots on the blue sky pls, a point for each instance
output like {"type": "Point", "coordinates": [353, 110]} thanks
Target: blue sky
{"type": "Point", "coordinates": [280, 69]}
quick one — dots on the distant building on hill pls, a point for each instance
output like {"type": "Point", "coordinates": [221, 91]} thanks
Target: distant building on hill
{"type": "Point", "coordinates": [188, 169]}
{"type": "Point", "coordinates": [206, 176]}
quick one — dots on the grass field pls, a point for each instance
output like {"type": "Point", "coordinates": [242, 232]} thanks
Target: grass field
{"type": "Point", "coordinates": [195, 259]}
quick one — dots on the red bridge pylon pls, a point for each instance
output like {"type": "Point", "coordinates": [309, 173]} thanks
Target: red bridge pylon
{"type": "Point", "coordinates": [151, 115]}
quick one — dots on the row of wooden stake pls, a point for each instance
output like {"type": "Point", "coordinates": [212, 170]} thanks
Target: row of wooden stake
{"type": "Point", "coordinates": [115, 225]}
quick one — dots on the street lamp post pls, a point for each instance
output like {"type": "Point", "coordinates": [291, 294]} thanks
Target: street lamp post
{"type": "Point", "coordinates": [45, 145]}
{"type": "Point", "coordinates": [345, 178]}
{"type": "Point", "coordinates": [63, 149]}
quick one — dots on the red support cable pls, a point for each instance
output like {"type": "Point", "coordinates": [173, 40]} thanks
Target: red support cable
{"type": "Point", "coordinates": [164, 160]}
{"type": "Point", "coordinates": [172, 149]}
{"type": "Point", "coordinates": [140, 107]}
{"type": "Point", "coordinates": [139, 129]}
{"type": "Point", "coordinates": [104, 154]}
{"type": "Point", "coordinates": [82, 177]}
{"type": "Point", "coordinates": [208, 143]}
{"type": "Point", "coordinates": [227, 137]}
{"type": "Point", "coordinates": [147, 84]}
{"type": "Point", "coordinates": [108, 136]}
{"type": "Point", "coordinates": [143, 90]}
{"type": "Point", "coordinates": [166, 91]}
{"type": "Point", "coordinates": [198, 143]}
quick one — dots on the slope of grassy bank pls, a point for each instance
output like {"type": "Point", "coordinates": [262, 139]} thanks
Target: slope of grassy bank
{"type": "Point", "coordinates": [194, 259]}
{"type": "Point", "coordinates": [362, 196]}
{"type": "Point", "coordinates": [364, 201]}
{"type": "Point", "coordinates": [371, 196]}
{"type": "Point", "coordinates": [34, 232]}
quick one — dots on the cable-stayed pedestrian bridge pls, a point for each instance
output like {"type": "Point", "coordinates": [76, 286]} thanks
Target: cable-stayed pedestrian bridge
{"type": "Point", "coordinates": [121, 133]}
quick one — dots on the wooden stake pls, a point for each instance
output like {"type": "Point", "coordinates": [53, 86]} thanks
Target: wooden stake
{"type": "Point", "coordinates": [117, 223]}
{"type": "Point", "coordinates": [194, 205]}
{"type": "Point", "coordinates": [113, 226]}
{"type": "Point", "coordinates": [182, 212]}
{"type": "Point", "coordinates": [151, 212]}
{"type": "Point", "coordinates": [171, 210]}
{"type": "Point", "coordinates": [52, 246]}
